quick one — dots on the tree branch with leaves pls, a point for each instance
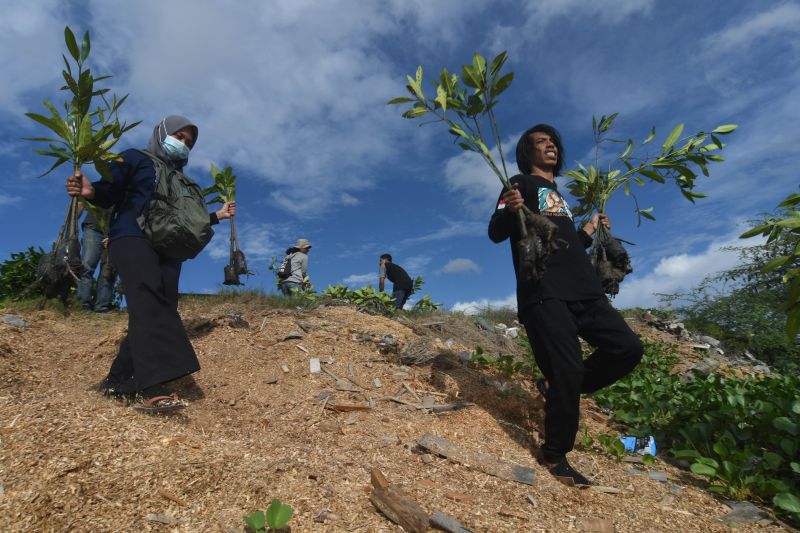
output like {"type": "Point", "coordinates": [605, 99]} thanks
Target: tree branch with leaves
{"type": "Point", "coordinates": [225, 189]}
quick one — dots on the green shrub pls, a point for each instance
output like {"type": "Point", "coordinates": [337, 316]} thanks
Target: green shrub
{"type": "Point", "coordinates": [19, 272]}
{"type": "Point", "coordinates": [740, 434]}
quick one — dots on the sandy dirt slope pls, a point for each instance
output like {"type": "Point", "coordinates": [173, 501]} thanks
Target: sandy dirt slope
{"type": "Point", "coordinates": [72, 460]}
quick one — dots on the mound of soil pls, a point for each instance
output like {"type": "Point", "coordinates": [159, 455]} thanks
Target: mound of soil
{"type": "Point", "coordinates": [261, 426]}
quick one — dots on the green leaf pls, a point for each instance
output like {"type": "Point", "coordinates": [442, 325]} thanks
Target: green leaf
{"type": "Point", "coordinates": [646, 213]}
{"type": "Point", "coordinates": [72, 44]}
{"type": "Point", "coordinates": [479, 63]}
{"type": "Point", "coordinates": [498, 62]}
{"type": "Point", "coordinates": [255, 521]}
{"type": "Point", "coordinates": [787, 501]}
{"type": "Point", "coordinates": [441, 97]}
{"type": "Point", "coordinates": [704, 470]}
{"type": "Point", "coordinates": [727, 128]}
{"type": "Point", "coordinates": [672, 138]}
{"type": "Point", "coordinates": [758, 230]}
{"type": "Point", "coordinates": [85, 46]}
{"type": "Point", "coordinates": [278, 514]}
{"type": "Point", "coordinates": [104, 170]}
{"type": "Point", "coordinates": [775, 263]}
{"type": "Point", "coordinates": [502, 84]}
{"type": "Point", "coordinates": [470, 77]}
{"type": "Point", "coordinates": [415, 112]}
{"type": "Point", "coordinates": [784, 424]}
{"type": "Point", "coordinates": [628, 149]}
{"type": "Point", "coordinates": [653, 175]}
{"type": "Point", "coordinates": [418, 76]}
{"type": "Point", "coordinates": [400, 100]}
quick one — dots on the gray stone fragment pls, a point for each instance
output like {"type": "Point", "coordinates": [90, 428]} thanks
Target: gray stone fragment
{"type": "Point", "coordinates": [743, 512]}
{"type": "Point", "coordinates": [675, 489]}
{"type": "Point", "coordinates": [14, 320]}
{"type": "Point", "coordinates": [447, 523]}
{"type": "Point", "coordinates": [655, 475]}
{"type": "Point", "coordinates": [632, 470]}
{"type": "Point", "coordinates": [709, 340]}
{"type": "Point", "coordinates": [465, 356]}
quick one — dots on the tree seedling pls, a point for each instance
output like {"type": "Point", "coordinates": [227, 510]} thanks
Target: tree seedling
{"type": "Point", "coordinates": [274, 518]}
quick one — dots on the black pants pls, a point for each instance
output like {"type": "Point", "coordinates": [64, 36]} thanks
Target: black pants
{"type": "Point", "coordinates": [553, 327]}
{"type": "Point", "coordinates": [156, 349]}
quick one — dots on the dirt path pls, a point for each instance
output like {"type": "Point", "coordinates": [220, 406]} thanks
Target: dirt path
{"type": "Point", "coordinates": [72, 460]}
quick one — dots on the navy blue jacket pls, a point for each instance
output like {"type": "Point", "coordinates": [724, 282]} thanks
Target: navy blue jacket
{"type": "Point", "coordinates": [130, 191]}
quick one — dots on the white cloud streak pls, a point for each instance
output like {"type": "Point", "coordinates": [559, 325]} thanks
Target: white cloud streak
{"type": "Point", "coordinates": [460, 265]}
{"type": "Point", "coordinates": [476, 306]}
{"type": "Point", "coordinates": [360, 279]}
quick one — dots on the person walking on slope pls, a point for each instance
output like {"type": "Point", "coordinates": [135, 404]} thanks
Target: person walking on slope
{"type": "Point", "coordinates": [402, 286]}
{"type": "Point", "coordinates": [298, 263]}
{"type": "Point", "coordinates": [156, 349]}
{"type": "Point", "coordinates": [567, 303]}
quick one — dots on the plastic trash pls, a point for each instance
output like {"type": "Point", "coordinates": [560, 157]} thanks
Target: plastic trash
{"type": "Point", "coordinates": [640, 445]}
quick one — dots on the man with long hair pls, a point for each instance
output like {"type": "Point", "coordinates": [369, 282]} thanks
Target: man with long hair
{"type": "Point", "coordinates": [566, 303]}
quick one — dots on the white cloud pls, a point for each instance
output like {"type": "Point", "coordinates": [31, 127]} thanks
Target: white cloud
{"type": "Point", "coordinates": [360, 279]}
{"type": "Point", "coordinates": [451, 229]}
{"type": "Point", "coordinates": [415, 265]}
{"type": "Point", "coordinates": [460, 265]}
{"type": "Point", "coordinates": [6, 199]}
{"type": "Point", "coordinates": [782, 18]}
{"type": "Point", "coordinates": [271, 85]}
{"type": "Point", "coordinates": [476, 306]}
{"type": "Point", "coordinates": [680, 272]}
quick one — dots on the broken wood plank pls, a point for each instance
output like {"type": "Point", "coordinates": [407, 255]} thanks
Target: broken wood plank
{"type": "Point", "coordinates": [168, 495]}
{"type": "Point", "coordinates": [447, 523]}
{"type": "Point", "coordinates": [400, 400]}
{"type": "Point", "coordinates": [351, 380]}
{"type": "Point", "coordinates": [345, 407]}
{"type": "Point", "coordinates": [453, 406]}
{"type": "Point", "coordinates": [412, 392]}
{"type": "Point", "coordinates": [607, 490]}
{"type": "Point", "coordinates": [396, 505]}
{"type": "Point", "coordinates": [480, 461]}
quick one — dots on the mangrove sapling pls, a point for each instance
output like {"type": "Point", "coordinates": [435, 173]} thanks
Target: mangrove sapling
{"type": "Point", "coordinates": [83, 136]}
{"type": "Point", "coordinates": [471, 101]}
{"type": "Point", "coordinates": [594, 186]}
{"type": "Point", "coordinates": [225, 188]}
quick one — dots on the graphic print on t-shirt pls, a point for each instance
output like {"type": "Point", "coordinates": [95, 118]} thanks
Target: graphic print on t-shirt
{"type": "Point", "coordinates": [551, 203]}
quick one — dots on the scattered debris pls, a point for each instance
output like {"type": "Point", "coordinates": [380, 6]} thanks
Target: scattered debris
{"type": "Point", "coordinates": [655, 475]}
{"type": "Point", "coordinates": [606, 490]}
{"type": "Point", "coordinates": [163, 519]}
{"type": "Point", "coordinates": [302, 348]}
{"type": "Point", "coordinates": [446, 523]}
{"type": "Point", "coordinates": [14, 320]}
{"type": "Point", "coordinates": [314, 366]}
{"type": "Point", "coordinates": [594, 524]}
{"type": "Point", "coordinates": [291, 336]}
{"type": "Point", "coordinates": [271, 380]}
{"type": "Point", "coordinates": [285, 369]}
{"type": "Point", "coordinates": [743, 512]}
{"type": "Point", "coordinates": [533, 501]}
{"type": "Point", "coordinates": [377, 383]}
{"type": "Point", "coordinates": [481, 461]}
{"type": "Point", "coordinates": [170, 496]}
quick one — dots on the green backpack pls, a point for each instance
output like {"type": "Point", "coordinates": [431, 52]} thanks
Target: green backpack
{"type": "Point", "coordinates": [176, 220]}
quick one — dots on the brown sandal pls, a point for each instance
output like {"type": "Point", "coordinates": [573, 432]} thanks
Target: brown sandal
{"type": "Point", "coordinates": [161, 404]}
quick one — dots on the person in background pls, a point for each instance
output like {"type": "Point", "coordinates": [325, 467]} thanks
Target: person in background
{"type": "Point", "coordinates": [93, 244]}
{"type": "Point", "coordinates": [402, 286]}
{"type": "Point", "coordinates": [156, 349]}
{"type": "Point", "coordinates": [299, 266]}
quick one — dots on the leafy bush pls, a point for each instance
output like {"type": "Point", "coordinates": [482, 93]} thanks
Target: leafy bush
{"type": "Point", "coordinates": [740, 434]}
{"type": "Point", "coordinates": [19, 272]}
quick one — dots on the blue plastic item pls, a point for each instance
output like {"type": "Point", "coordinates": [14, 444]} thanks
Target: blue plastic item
{"type": "Point", "coordinates": [640, 445]}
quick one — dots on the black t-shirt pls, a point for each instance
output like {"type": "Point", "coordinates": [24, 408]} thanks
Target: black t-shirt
{"type": "Point", "coordinates": [398, 276]}
{"type": "Point", "coordinates": [569, 275]}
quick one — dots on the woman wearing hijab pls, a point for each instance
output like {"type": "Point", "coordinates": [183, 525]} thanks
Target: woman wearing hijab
{"type": "Point", "coordinates": [156, 349]}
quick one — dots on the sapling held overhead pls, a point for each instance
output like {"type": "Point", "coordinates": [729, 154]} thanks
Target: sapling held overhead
{"type": "Point", "coordinates": [82, 135]}
{"type": "Point", "coordinates": [466, 106]}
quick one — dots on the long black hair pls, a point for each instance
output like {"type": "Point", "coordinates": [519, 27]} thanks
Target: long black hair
{"type": "Point", "coordinates": [525, 148]}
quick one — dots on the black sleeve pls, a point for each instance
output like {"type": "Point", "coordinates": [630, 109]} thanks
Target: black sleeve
{"type": "Point", "coordinates": [504, 223]}
{"type": "Point", "coordinates": [129, 170]}
{"type": "Point", "coordinates": [213, 218]}
{"type": "Point", "coordinates": [585, 238]}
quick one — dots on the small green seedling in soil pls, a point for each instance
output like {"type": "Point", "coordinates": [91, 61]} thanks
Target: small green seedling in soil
{"type": "Point", "coordinates": [274, 518]}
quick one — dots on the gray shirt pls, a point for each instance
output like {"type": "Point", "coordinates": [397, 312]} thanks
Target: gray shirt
{"type": "Point", "coordinates": [299, 265]}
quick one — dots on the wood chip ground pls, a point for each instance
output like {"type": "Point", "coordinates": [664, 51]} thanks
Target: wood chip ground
{"type": "Point", "coordinates": [72, 460]}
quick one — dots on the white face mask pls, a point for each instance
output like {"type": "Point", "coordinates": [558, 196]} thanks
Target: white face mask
{"type": "Point", "coordinates": [174, 148]}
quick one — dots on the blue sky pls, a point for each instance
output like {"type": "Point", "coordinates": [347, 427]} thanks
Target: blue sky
{"type": "Point", "coordinates": [292, 95]}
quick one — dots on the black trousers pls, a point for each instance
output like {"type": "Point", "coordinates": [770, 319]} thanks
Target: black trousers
{"type": "Point", "coordinates": [156, 349]}
{"type": "Point", "coordinates": [553, 327]}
